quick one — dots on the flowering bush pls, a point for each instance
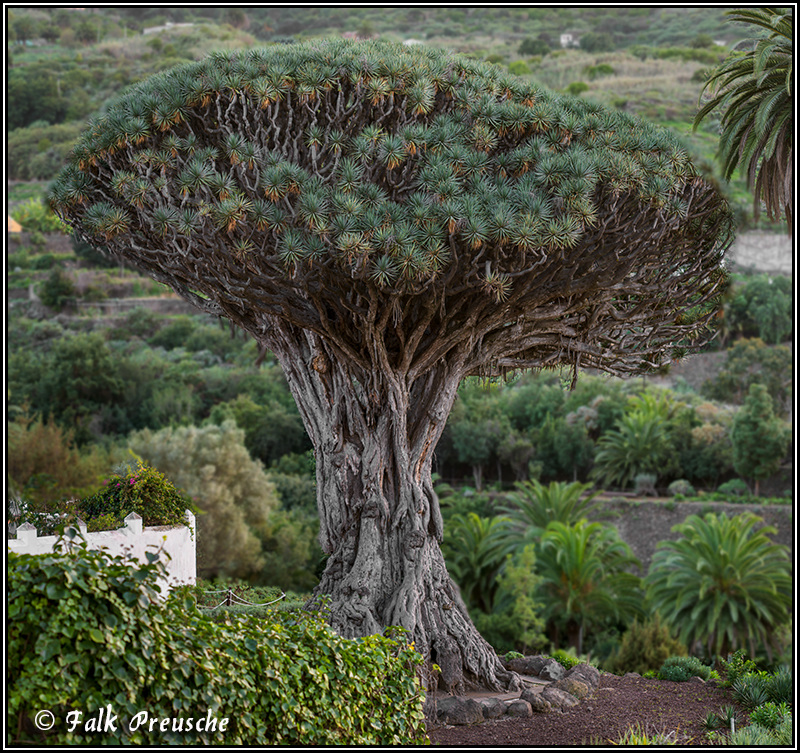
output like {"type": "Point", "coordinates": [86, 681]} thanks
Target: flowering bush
{"type": "Point", "coordinates": [142, 490]}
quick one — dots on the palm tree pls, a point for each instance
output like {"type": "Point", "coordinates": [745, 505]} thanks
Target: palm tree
{"type": "Point", "coordinates": [533, 506]}
{"type": "Point", "coordinates": [753, 90]}
{"type": "Point", "coordinates": [721, 583]}
{"type": "Point", "coordinates": [476, 549]}
{"type": "Point", "coordinates": [586, 578]}
{"type": "Point", "coordinates": [639, 443]}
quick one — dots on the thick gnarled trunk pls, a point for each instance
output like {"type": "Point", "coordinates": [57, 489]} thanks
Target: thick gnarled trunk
{"type": "Point", "coordinates": [374, 435]}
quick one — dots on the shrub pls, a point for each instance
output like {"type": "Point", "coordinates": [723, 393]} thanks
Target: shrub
{"type": "Point", "coordinates": [601, 69]}
{"type": "Point", "coordinates": [751, 689]}
{"type": "Point", "coordinates": [142, 490]}
{"type": "Point", "coordinates": [57, 290]}
{"type": "Point", "coordinates": [736, 665]}
{"type": "Point", "coordinates": [519, 68]}
{"type": "Point", "coordinates": [645, 484]}
{"type": "Point", "coordinates": [530, 47]}
{"type": "Point", "coordinates": [45, 466]}
{"type": "Point", "coordinates": [35, 216]}
{"type": "Point", "coordinates": [566, 660]}
{"type": "Point", "coordinates": [682, 488]}
{"type": "Point", "coordinates": [86, 631]}
{"type": "Point", "coordinates": [769, 714]}
{"type": "Point", "coordinates": [736, 488]}
{"type": "Point", "coordinates": [683, 668]}
{"type": "Point", "coordinates": [576, 88]}
{"type": "Point", "coordinates": [755, 734]}
{"type": "Point", "coordinates": [780, 686]}
{"type": "Point", "coordinates": [45, 261]}
{"type": "Point", "coordinates": [645, 647]}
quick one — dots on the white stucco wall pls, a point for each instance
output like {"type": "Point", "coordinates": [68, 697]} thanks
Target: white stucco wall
{"type": "Point", "coordinates": [179, 542]}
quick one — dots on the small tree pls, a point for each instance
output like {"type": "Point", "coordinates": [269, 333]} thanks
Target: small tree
{"type": "Point", "coordinates": [751, 362]}
{"type": "Point", "coordinates": [388, 220]}
{"type": "Point", "coordinates": [754, 92]}
{"type": "Point", "coordinates": [234, 497]}
{"type": "Point", "coordinates": [57, 290]}
{"type": "Point", "coordinates": [586, 578]}
{"type": "Point", "coordinates": [533, 506]}
{"type": "Point", "coordinates": [760, 439]}
{"type": "Point", "coordinates": [530, 47]}
{"type": "Point", "coordinates": [638, 444]}
{"type": "Point", "coordinates": [721, 583]}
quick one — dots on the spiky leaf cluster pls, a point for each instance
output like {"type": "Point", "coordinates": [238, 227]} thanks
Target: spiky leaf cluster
{"type": "Point", "coordinates": [347, 178]}
{"type": "Point", "coordinates": [724, 582]}
{"type": "Point", "coordinates": [754, 92]}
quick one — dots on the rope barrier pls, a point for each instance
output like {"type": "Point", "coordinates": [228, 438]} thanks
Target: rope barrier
{"type": "Point", "coordinates": [232, 599]}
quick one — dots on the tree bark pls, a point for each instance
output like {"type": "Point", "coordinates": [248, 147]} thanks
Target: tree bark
{"type": "Point", "coordinates": [374, 435]}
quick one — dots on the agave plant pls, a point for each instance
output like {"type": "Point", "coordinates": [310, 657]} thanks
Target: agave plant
{"type": "Point", "coordinates": [751, 690]}
{"type": "Point", "coordinates": [641, 735]}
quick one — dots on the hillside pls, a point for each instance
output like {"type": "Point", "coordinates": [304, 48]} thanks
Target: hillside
{"type": "Point", "coordinates": [65, 63]}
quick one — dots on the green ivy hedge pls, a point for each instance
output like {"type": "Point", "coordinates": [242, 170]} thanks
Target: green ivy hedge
{"type": "Point", "coordinates": [88, 634]}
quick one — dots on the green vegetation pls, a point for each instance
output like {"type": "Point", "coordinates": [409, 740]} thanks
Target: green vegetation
{"type": "Point", "coordinates": [242, 532]}
{"type": "Point", "coordinates": [586, 578]}
{"type": "Point", "coordinates": [85, 386]}
{"type": "Point", "coordinates": [645, 647]}
{"type": "Point", "coordinates": [749, 362]}
{"type": "Point", "coordinates": [67, 63]}
{"type": "Point", "coordinates": [534, 506]}
{"type": "Point", "coordinates": [453, 173]}
{"type": "Point", "coordinates": [640, 735]}
{"type": "Point", "coordinates": [140, 489]}
{"type": "Point", "coordinates": [760, 439]}
{"type": "Point", "coordinates": [683, 668]}
{"type": "Point", "coordinates": [753, 90]}
{"type": "Point", "coordinates": [722, 583]}
{"type": "Point", "coordinates": [288, 680]}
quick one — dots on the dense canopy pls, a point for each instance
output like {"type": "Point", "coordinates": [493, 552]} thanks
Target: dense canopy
{"type": "Point", "coordinates": [335, 184]}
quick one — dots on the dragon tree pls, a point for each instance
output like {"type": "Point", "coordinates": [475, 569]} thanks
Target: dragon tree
{"type": "Point", "coordinates": [388, 221]}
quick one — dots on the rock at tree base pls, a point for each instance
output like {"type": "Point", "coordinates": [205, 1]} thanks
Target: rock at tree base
{"type": "Point", "coordinates": [537, 702]}
{"type": "Point", "coordinates": [585, 673]}
{"type": "Point", "coordinates": [519, 708]}
{"type": "Point", "coordinates": [572, 686]}
{"type": "Point", "coordinates": [456, 710]}
{"type": "Point", "coordinates": [559, 699]}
